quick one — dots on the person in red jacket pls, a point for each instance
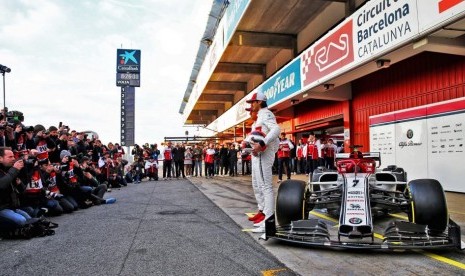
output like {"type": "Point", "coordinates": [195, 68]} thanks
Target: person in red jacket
{"type": "Point", "coordinates": [310, 151]}
{"type": "Point", "coordinates": [167, 159]}
{"type": "Point", "coordinates": [301, 159]}
{"type": "Point", "coordinates": [330, 150]}
{"type": "Point", "coordinates": [284, 154]}
{"type": "Point", "coordinates": [209, 160]}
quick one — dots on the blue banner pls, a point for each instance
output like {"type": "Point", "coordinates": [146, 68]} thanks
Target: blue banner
{"type": "Point", "coordinates": [283, 84]}
{"type": "Point", "coordinates": [234, 13]}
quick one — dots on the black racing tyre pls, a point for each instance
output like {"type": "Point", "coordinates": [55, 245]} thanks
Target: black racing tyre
{"type": "Point", "coordinates": [290, 202]}
{"type": "Point", "coordinates": [428, 204]}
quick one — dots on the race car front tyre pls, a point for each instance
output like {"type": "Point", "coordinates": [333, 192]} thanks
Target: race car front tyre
{"type": "Point", "coordinates": [290, 202]}
{"type": "Point", "coordinates": [428, 204]}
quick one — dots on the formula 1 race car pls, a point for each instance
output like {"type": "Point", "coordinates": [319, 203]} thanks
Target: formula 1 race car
{"type": "Point", "coordinates": [358, 194]}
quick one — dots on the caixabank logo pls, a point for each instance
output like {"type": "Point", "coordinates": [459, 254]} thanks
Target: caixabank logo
{"type": "Point", "coordinates": [127, 61]}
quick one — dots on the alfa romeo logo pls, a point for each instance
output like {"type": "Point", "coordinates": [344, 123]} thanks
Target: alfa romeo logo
{"type": "Point", "coordinates": [409, 134]}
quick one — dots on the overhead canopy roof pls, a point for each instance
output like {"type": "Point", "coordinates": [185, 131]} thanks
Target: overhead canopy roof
{"type": "Point", "coordinates": [267, 29]}
{"type": "Point", "coordinates": [272, 33]}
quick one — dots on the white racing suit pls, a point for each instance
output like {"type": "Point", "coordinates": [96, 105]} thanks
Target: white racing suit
{"type": "Point", "coordinates": [262, 163]}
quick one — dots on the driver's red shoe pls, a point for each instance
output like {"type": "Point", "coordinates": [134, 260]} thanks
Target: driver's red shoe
{"type": "Point", "coordinates": [259, 221]}
{"type": "Point", "coordinates": [257, 216]}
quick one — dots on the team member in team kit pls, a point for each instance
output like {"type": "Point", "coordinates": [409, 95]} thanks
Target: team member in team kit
{"type": "Point", "coordinates": [284, 154]}
{"type": "Point", "coordinates": [310, 152]}
{"type": "Point", "coordinates": [167, 159]}
{"type": "Point", "coordinates": [264, 151]}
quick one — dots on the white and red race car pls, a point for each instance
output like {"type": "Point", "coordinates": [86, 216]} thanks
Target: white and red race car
{"type": "Point", "coordinates": [362, 200]}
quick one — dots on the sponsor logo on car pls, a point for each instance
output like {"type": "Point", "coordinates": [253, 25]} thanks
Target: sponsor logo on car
{"type": "Point", "coordinates": [355, 220]}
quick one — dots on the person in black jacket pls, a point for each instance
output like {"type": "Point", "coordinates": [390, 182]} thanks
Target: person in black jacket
{"type": "Point", "coordinates": [232, 156]}
{"type": "Point", "coordinates": [224, 160]}
{"type": "Point", "coordinates": [178, 157]}
{"type": "Point", "coordinates": [10, 188]}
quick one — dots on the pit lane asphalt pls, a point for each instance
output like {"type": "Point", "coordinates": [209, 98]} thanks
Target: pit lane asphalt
{"type": "Point", "coordinates": [154, 228]}
{"type": "Point", "coordinates": [235, 196]}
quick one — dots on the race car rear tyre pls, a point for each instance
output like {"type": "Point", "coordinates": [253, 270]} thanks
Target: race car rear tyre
{"type": "Point", "coordinates": [428, 205]}
{"type": "Point", "coordinates": [290, 202]}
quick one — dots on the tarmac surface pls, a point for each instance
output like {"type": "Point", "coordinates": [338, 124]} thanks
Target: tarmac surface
{"type": "Point", "coordinates": [154, 228]}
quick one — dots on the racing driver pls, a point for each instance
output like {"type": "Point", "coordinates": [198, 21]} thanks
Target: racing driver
{"type": "Point", "coordinates": [263, 155]}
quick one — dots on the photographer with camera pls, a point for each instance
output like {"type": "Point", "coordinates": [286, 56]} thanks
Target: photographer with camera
{"type": "Point", "coordinates": [70, 185]}
{"type": "Point", "coordinates": [89, 184]}
{"type": "Point", "coordinates": [60, 142]}
{"type": "Point", "coordinates": [36, 196]}
{"type": "Point", "coordinates": [11, 187]}
{"type": "Point", "coordinates": [50, 175]}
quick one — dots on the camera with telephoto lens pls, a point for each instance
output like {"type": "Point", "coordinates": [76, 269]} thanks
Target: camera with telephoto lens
{"type": "Point", "coordinates": [14, 115]}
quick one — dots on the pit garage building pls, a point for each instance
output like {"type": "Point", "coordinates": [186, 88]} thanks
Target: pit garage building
{"type": "Point", "coordinates": [385, 74]}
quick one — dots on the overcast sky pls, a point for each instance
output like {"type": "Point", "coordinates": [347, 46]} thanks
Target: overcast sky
{"type": "Point", "coordinates": [62, 55]}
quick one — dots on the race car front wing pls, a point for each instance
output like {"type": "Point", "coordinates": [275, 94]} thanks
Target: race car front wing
{"type": "Point", "coordinates": [398, 235]}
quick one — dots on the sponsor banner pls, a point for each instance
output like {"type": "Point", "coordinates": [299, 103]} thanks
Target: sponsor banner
{"type": "Point", "coordinates": [236, 9]}
{"type": "Point", "coordinates": [282, 84]}
{"type": "Point", "coordinates": [127, 61]}
{"type": "Point", "coordinates": [382, 25]}
{"type": "Point", "coordinates": [328, 55]}
{"type": "Point", "coordinates": [241, 113]}
{"type": "Point", "coordinates": [211, 59]}
{"type": "Point", "coordinates": [411, 147]}
{"type": "Point", "coordinates": [382, 140]}
{"type": "Point", "coordinates": [428, 141]}
{"type": "Point", "coordinates": [432, 13]}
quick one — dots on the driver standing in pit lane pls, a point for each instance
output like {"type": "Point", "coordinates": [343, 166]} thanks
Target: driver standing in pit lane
{"type": "Point", "coordinates": [263, 156]}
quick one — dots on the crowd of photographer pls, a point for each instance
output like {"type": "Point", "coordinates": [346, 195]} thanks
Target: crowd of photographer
{"type": "Point", "coordinates": [50, 172]}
